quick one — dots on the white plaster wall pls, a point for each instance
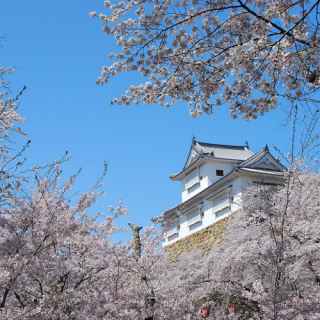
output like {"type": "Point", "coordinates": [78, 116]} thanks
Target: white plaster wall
{"type": "Point", "coordinates": [185, 194]}
{"type": "Point", "coordinates": [208, 218]}
{"type": "Point", "coordinates": [207, 175]}
{"type": "Point", "coordinates": [238, 186]}
{"type": "Point", "coordinates": [209, 206]}
{"type": "Point", "coordinates": [184, 228]}
{"type": "Point", "coordinates": [209, 170]}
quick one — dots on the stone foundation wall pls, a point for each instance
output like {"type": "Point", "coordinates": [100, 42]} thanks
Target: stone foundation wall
{"type": "Point", "coordinates": [203, 240]}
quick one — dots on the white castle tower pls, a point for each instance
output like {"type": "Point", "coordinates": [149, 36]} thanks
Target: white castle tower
{"type": "Point", "coordinates": [212, 181]}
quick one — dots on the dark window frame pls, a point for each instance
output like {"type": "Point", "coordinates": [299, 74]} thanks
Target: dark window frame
{"type": "Point", "coordinates": [219, 173]}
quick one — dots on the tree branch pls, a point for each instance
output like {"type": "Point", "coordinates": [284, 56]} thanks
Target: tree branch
{"type": "Point", "coordinates": [282, 30]}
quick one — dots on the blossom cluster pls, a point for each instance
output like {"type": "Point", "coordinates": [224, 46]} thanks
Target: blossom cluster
{"type": "Point", "coordinates": [247, 54]}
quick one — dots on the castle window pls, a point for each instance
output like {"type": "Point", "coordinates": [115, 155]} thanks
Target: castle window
{"type": "Point", "coordinates": [219, 173]}
{"type": "Point", "coordinates": [193, 182]}
{"type": "Point", "coordinates": [195, 225]}
{"type": "Point", "coordinates": [173, 237]}
{"type": "Point", "coordinates": [222, 212]}
{"type": "Point", "coordinates": [193, 187]}
{"type": "Point", "coordinates": [173, 233]}
{"type": "Point", "coordinates": [194, 220]}
{"type": "Point", "coordinates": [221, 205]}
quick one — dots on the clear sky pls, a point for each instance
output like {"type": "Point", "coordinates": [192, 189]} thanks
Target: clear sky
{"type": "Point", "coordinates": [57, 50]}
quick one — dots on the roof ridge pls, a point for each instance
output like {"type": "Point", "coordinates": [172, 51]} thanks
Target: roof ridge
{"type": "Point", "coordinates": [259, 155]}
{"type": "Point", "coordinates": [255, 155]}
{"type": "Point", "coordinates": [221, 145]}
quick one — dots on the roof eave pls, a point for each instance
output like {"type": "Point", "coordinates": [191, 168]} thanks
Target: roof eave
{"type": "Point", "coordinates": [183, 173]}
{"type": "Point", "coordinates": [261, 154]}
{"type": "Point", "coordinates": [237, 171]}
{"type": "Point", "coordinates": [201, 194]}
{"type": "Point", "coordinates": [264, 172]}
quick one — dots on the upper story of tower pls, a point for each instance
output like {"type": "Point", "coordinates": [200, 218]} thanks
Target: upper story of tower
{"type": "Point", "coordinates": [206, 163]}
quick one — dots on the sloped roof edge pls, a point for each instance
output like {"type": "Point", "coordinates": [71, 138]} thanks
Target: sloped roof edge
{"type": "Point", "coordinates": [190, 163]}
{"type": "Point", "coordinates": [196, 163]}
{"type": "Point", "coordinates": [258, 156]}
{"type": "Point", "coordinates": [218, 184]}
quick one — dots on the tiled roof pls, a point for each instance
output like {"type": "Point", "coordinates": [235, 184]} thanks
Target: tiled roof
{"type": "Point", "coordinates": [260, 163]}
{"type": "Point", "coordinates": [263, 160]}
{"type": "Point", "coordinates": [224, 151]}
{"type": "Point", "coordinates": [210, 151]}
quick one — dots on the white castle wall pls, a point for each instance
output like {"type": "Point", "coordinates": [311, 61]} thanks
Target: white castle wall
{"type": "Point", "coordinates": [205, 175]}
{"type": "Point", "coordinates": [216, 207]}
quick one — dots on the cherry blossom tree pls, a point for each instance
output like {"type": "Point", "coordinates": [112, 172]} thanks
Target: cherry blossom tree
{"type": "Point", "coordinates": [267, 266]}
{"type": "Point", "coordinates": [11, 153]}
{"type": "Point", "coordinates": [249, 54]}
{"type": "Point", "coordinates": [59, 260]}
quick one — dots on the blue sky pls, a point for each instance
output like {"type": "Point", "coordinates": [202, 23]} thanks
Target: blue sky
{"type": "Point", "coordinates": [57, 50]}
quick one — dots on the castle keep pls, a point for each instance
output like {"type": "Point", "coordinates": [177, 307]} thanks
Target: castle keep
{"type": "Point", "coordinates": [212, 183]}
